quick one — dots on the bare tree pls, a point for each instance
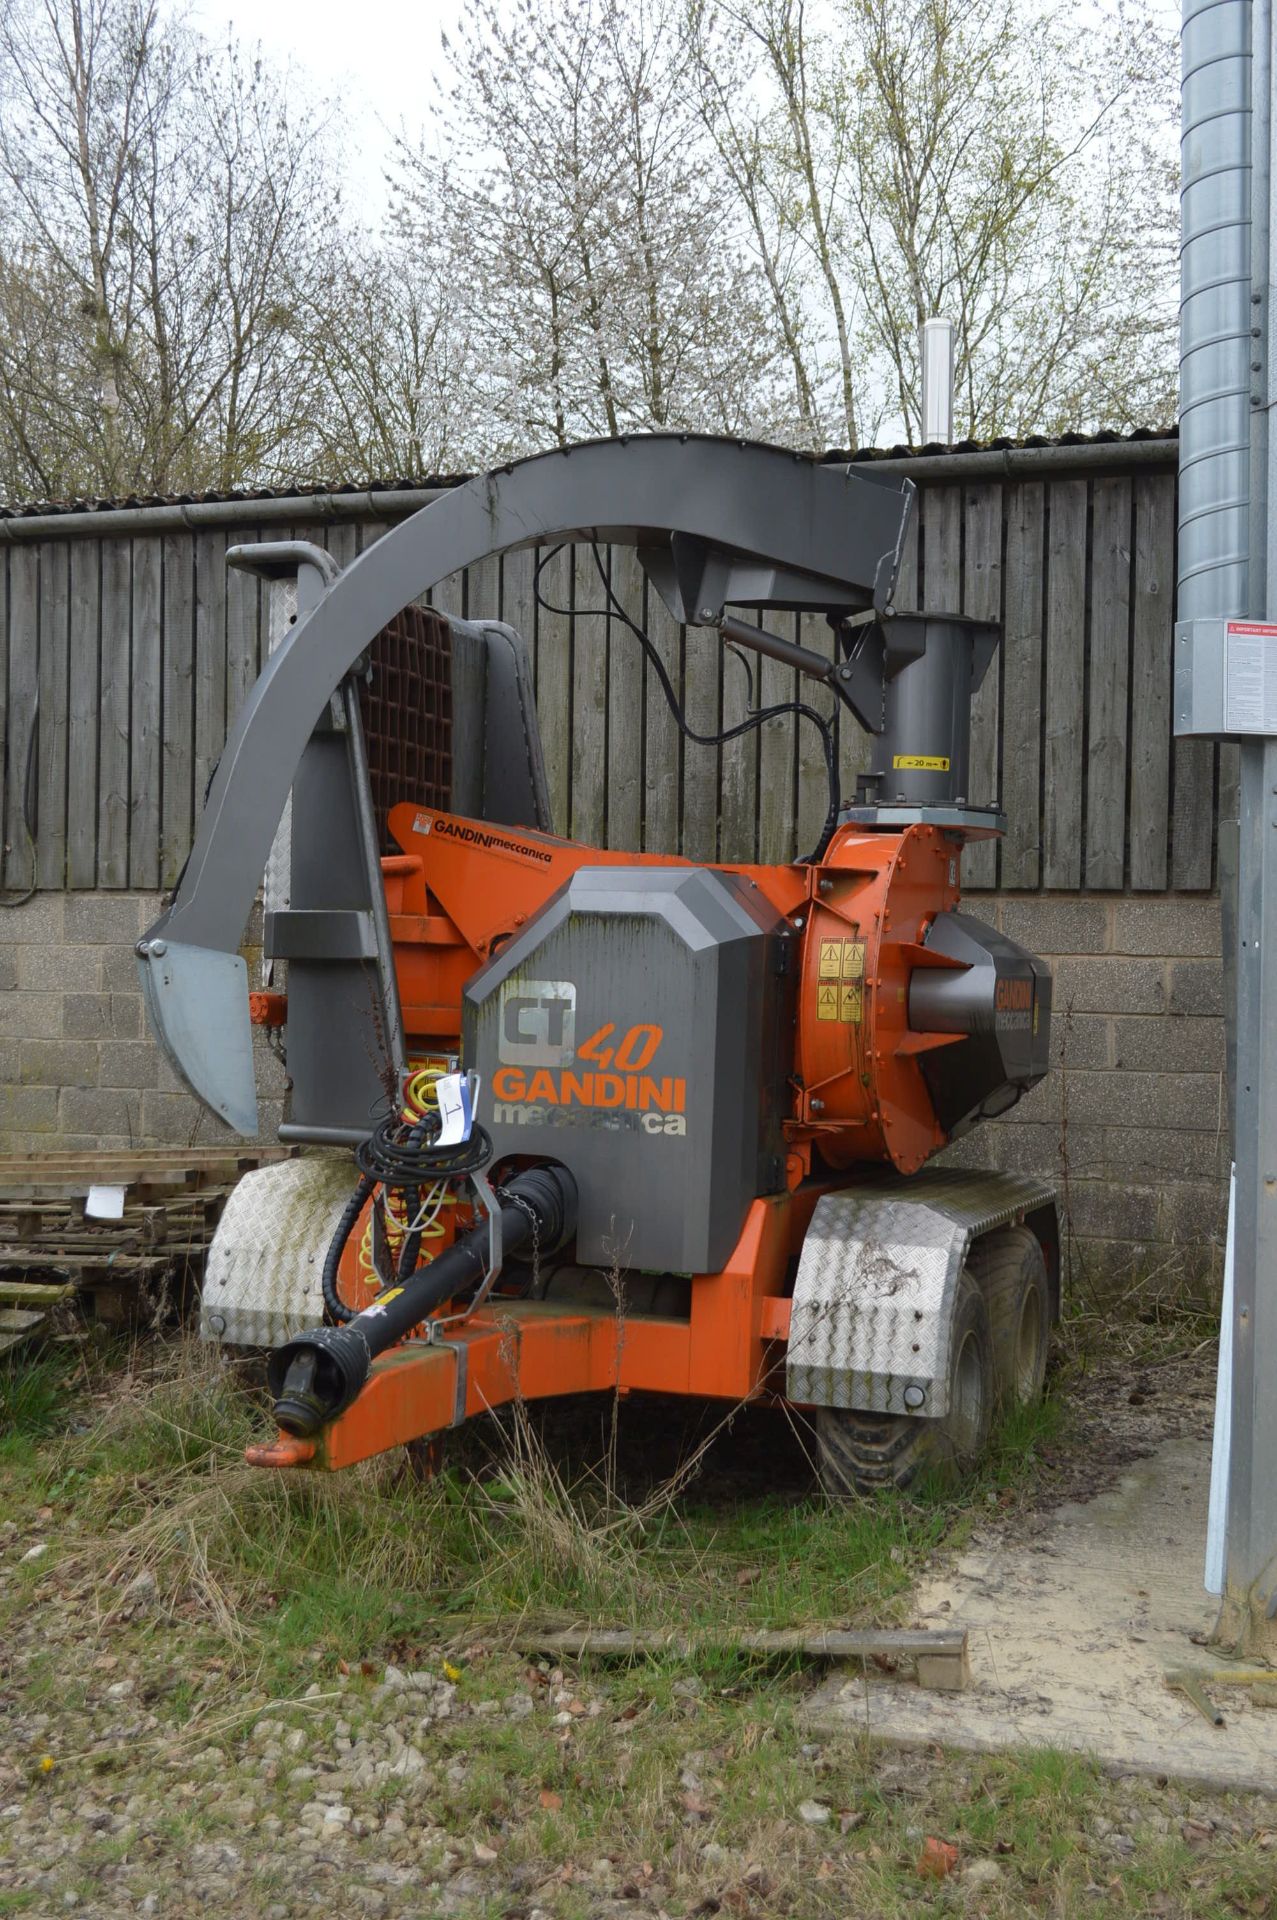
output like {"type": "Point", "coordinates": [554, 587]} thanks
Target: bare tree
{"type": "Point", "coordinates": [1005, 164]}
{"type": "Point", "coordinates": [178, 203]}
{"type": "Point", "coordinates": [397, 374]}
{"type": "Point", "coordinates": [267, 244]}
{"type": "Point", "coordinates": [736, 123]}
{"type": "Point", "coordinates": [589, 226]}
{"type": "Point", "coordinates": [720, 215]}
{"type": "Point", "coordinates": [814, 153]}
{"type": "Point", "coordinates": [699, 345]}
{"type": "Point", "coordinates": [46, 412]}
{"type": "Point", "coordinates": [998, 177]}
{"type": "Point", "coordinates": [89, 84]}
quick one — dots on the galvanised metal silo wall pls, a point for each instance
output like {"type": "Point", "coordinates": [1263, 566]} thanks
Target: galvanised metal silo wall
{"type": "Point", "coordinates": [1215, 308]}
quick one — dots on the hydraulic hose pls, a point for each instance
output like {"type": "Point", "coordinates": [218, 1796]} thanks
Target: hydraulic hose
{"type": "Point", "coordinates": [337, 1308]}
{"type": "Point", "coordinates": [318, 1375]}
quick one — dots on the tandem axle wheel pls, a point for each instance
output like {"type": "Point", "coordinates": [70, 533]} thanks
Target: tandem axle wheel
{"type": "Point", "coordinates": [1001, 1334]}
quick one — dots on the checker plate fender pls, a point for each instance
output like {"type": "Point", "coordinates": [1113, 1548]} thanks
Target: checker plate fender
{"type": "Point", "coordinates": [877, 1282]}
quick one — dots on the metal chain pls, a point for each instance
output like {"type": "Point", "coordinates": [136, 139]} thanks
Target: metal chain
{"type": "Point", "coordinates": [510, 1199]}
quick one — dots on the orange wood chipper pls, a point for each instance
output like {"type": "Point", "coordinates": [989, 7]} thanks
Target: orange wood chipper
{"type": "Point", "coordinates": [618, 1120]}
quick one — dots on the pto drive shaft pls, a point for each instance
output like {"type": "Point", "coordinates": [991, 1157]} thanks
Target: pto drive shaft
{"type": "Point", "coordinates": [319, 1374]}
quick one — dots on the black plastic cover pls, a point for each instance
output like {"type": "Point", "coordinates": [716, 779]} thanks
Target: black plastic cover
{"type": "Point", "coordinates": [1000, 998]}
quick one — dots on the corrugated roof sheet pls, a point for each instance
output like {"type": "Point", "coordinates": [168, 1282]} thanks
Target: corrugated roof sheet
{"type": "Point", "coordinates": [1109, 438]}
{"type": "Point", "coordinates": [407, 483]}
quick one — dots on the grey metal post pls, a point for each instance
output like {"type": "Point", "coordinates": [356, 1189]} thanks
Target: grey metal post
{"type": "Point", "coordinates": [1248, 1616]}
{"type": "Point", "coordinates": [1225, 455]}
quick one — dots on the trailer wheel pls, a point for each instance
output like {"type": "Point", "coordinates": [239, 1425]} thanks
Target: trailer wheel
{"type": "Point", "coordinates": [862, 1452]}
{"type": "Point", "coordinates": [1011, 1270]}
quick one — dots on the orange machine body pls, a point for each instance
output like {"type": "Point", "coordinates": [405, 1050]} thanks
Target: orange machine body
{"type": "Point", "coordinates": [462, 887]}
{"type": "Point", "coordinates": [859, 918]}
{"type": "Point", "coordinates": [730, 1347]}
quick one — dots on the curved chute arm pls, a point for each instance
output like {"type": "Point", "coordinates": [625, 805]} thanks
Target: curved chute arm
{"type": "Point", "coordinates": [732, 521]}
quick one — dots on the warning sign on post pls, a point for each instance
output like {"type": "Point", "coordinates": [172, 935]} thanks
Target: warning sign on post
{"type": "Point", "coordinates": [1250, 677]}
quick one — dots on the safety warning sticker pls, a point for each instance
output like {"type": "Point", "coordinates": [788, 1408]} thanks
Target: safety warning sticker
{"type": "Point", "coordinates": [921, 762]}
{"type": "Point", "coordinates": [840, 980]}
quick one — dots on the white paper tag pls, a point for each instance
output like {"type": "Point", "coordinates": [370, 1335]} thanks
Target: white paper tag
{"type": "Point", "coordinates": [456, 1110]}
{"type": "Point", "coordinates": [104, 1203]}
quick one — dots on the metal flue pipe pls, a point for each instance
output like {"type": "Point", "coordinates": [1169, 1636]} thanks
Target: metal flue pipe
{"type": "Point", "coordinates": [1215, 309]}
{"type": "Point", "coordinates": [935, 351]}
{"type": "Point", "coordinates": [1216, 379]}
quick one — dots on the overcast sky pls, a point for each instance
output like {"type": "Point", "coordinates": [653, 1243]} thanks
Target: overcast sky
{"type": "Point", "coordinates": [374, 58]}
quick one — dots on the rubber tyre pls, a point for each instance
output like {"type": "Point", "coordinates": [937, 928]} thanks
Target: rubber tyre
{"type": "Point", "coordinates": [863, 1452]}
{"type": "Point", "coordinates": [1011, 1270]}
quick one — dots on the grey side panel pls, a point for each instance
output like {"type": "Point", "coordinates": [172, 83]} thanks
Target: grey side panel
{"type": "Point", "coordinates": [498, 770]}
{"type": "Point", "coordinates": [345, 1036]}
{"type": "Point", "coordinates": [468, 659]}
{"type": "Point", "coordinates": [877, 1280]}
{"type": "Point", "coordinates": [669, 1134]}
{"type": "Point", "coordinates": [515, 792]}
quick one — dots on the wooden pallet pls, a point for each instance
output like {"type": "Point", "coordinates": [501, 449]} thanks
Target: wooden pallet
{"type": "Point", "coordinates": [70, 1175]}
{"type": "Point", "coordinates": [173, 1199]}
{"type": "Point", "coordinates": [18, 1324]}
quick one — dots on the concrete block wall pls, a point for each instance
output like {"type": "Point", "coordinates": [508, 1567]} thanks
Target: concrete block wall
{"type": "Point", "coordinates": [78, 1068]}
{"type": "Point", "coordinates": [1131, 1123]}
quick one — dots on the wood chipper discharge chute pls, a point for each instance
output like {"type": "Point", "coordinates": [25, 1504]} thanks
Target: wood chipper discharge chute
{"type": "Point", "coordinates": [620, 1119]}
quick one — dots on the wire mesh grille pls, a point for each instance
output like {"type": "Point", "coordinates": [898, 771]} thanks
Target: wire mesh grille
{"type": "Point", "coordinates": [407, 714]}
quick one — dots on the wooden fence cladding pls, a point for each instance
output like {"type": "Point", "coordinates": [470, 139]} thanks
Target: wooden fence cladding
{"type": "Point", "coordinates": [140, 649]}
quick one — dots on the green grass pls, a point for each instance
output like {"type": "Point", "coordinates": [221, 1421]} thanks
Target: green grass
{"type": "Point", "coordinates": [267, 1583]}
{"type": "Point", "coordinates": [34, 1391]}
{"type": "Point", "coordinates": [523, 1527]}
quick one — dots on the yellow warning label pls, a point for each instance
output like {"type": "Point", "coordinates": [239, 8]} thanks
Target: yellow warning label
{"type": "Point", "coordinates": [827, 1001]}
{"type": "Point", "coordinates": [921, 762]}
{"type": "Point", "coordinates": [840, 981]}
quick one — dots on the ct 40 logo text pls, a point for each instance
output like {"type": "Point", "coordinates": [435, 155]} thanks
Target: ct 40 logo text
{"type": "Point", "coordinates": [609, 1080]}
